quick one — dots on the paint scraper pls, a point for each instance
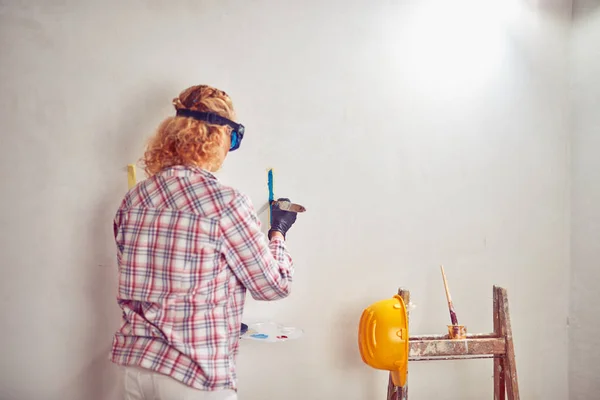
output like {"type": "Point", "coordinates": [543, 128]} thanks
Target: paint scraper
{"type": "Point", "coordinates": [289, 206]}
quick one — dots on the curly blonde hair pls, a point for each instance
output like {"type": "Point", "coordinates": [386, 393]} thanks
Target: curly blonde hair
{"type": "Point", "coordinates": [186, 141]}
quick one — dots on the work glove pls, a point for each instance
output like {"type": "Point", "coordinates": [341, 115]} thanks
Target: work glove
{"type": "Point", "coordinates": [281, 220]}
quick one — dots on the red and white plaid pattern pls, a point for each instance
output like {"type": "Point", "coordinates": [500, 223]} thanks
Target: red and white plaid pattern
{"type": "Point", "coordinates": [188, 248]}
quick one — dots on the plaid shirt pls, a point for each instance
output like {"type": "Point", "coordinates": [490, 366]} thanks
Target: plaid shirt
{"type": "Point", "coordinates": [188, 248]}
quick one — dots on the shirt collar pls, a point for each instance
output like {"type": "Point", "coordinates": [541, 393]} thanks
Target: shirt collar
{"type": "Point", "coordinates": [186, 171]}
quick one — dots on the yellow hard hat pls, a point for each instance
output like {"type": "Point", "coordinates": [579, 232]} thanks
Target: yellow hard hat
{"type": "Point", "coordinates": [383, 337]}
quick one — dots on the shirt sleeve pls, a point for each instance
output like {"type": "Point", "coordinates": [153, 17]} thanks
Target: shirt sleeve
{"type": "Point", "coordinates": [118, 218]}
{"type": "Point", "coordinates": [265, 269]}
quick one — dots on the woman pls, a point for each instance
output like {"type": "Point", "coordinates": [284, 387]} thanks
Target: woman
{"type": "Point", "coordinates": [188, 248]}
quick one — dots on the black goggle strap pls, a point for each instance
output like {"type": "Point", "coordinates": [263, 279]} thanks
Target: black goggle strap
{"type": "Point", "coordinates": [211, 118]}
{"type": "Point", "coordinates": [238, 129]}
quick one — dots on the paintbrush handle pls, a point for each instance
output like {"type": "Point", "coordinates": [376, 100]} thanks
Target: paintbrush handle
{"type": "Point", "coordinates": [446, 285]}
{"type": "Point", "coordinates": [453, 317]}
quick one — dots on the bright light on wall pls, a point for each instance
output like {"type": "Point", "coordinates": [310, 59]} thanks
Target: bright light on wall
{"type": "Point", "coordinates": [457, 45]}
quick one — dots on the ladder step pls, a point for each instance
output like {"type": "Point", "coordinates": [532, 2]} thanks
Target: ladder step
{"type": "Point", "coordinates": [426, 348]}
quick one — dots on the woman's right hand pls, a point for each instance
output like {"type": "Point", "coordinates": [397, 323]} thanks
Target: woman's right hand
{"type": "Point", "coordinates": [281, 220]}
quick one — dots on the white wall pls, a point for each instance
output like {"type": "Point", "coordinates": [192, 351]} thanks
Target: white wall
{"type": "Point", "coordinates": [584, 349]}
{"type": "Point", "coordinates": [416, 134]}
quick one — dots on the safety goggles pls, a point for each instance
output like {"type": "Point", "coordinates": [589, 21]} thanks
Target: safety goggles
{"type": "Point", "coordinates": [237, 133]}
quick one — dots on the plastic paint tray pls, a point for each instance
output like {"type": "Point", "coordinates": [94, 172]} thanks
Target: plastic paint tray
{"type": "Point", "coordinates": [271, 332]}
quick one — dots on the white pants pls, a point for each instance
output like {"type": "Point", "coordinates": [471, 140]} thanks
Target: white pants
{"type": "Point", "coordinates": [143, 384]}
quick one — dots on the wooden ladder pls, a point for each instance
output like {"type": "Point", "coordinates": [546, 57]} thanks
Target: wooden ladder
{"type": "Point", "coordinates": [497, 345]}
